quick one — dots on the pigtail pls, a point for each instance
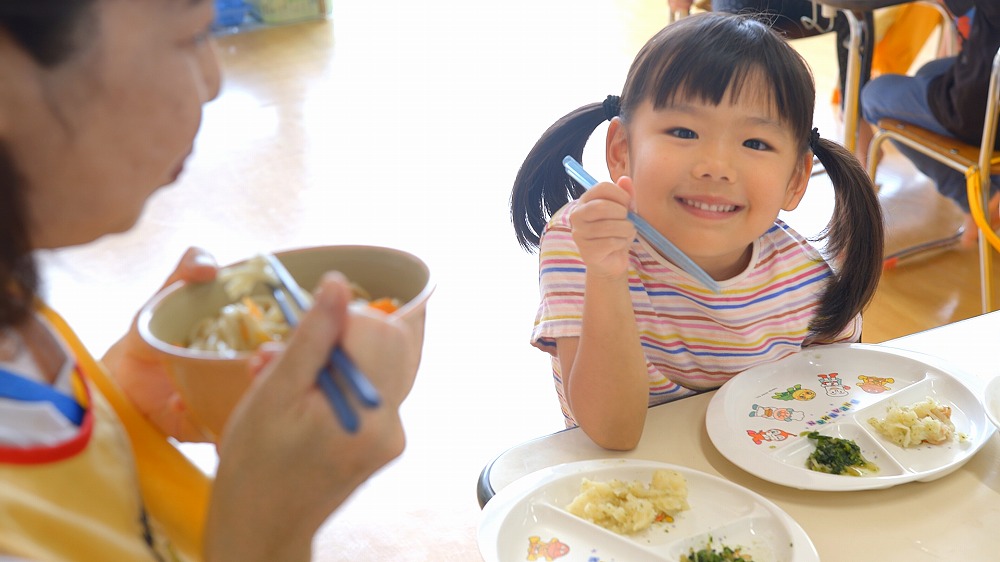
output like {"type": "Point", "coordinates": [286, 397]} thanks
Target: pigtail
{"type": "Point", "coordinates": [542, 187]}
{"type": "Point", "coordinates": [855, 238]}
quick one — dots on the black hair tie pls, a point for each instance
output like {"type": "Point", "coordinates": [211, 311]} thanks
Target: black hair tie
{"type": "Point", "coordinates": [612, 107]}
{"type": "Point", "coordinates": [814, 139]}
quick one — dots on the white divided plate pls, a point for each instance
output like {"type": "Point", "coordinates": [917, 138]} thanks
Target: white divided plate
{"type": "Point", "coordinates": [527, 520]}
{"type": "Point", "coordinates": [756, 418]}
{"type": "Point", "coordinates": [992, 401]}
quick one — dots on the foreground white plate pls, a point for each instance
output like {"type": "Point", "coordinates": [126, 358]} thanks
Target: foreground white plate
{"type": "Point", "coordinates": [527, 520]}
{"type": "Point", "coordinates": [755, 419]}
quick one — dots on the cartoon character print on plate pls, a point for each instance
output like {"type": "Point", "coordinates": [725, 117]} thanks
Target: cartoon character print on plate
{"type": "Point", "coordinates": [538, 550]}
{"type": "Point", "coordinates": [833, 386]}
{"type": "Point", "coordinates": [779, 414]}
{"type": "Point", "coordinates": [769, 435]}
{"type": "Point", "coordinates": [874, 385]}
{"type": "Point", "coordinates": [795, 393]}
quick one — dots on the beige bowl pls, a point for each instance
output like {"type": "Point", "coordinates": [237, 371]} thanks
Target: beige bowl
{"type": "Point", "coordinates": [211, 383]}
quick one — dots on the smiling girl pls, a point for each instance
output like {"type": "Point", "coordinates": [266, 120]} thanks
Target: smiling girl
{"type": "Point", "coordinates": [711, 138]}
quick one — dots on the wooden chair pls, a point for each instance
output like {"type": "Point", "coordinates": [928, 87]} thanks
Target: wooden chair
{"type": "Point", "coordinates": [976, 162]}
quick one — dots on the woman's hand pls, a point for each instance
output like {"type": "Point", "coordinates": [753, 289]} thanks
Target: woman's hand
{"type": "Point", "coordinates": [601, 229]}
{"type": "Point", "coordinates": [144, 378]}
{"type": "Point", "coordinates": [285, 462]}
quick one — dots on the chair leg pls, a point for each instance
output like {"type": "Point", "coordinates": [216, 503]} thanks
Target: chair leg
{"type": "Point", "coordinates": [874, 154]}
{"type": "Point", "coordinates": [986, 275]}
{"type": "Point", "coordinates": [978, 187]}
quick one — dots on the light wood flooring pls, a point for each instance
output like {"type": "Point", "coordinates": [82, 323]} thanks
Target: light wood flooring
{"type": "Point", "coordinates": [403, 123]}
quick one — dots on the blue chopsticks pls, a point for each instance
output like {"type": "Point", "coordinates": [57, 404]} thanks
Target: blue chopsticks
{"type": "Point", "coordinates": [653, 236]}
{"type": "Point", "coordinates": [357, 382]}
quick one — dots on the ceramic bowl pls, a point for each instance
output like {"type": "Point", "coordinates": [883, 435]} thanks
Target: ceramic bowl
{"type": "Point", "coordinates": [210, 382]}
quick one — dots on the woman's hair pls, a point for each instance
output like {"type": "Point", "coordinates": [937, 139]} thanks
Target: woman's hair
{"type": "Point", "coordinates": [48, 31]}
{"type": "Point", "coordinates": [704, 57]}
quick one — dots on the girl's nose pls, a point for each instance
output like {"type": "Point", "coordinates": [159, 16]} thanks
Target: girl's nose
{"type": "Point", "coordinates": [713, 163]}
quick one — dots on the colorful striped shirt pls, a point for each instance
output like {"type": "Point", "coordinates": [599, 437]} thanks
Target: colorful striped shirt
{"type": "Point", "coordinates": [693, 339]}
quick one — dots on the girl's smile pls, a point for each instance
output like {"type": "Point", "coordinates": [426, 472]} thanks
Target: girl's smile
{"type": "Point", "coordinates": [705, 208]}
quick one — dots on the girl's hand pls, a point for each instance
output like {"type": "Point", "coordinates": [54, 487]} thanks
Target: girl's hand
{"type": "Point", "coordinates": [601, 229]}
{"type": "Point", "coordinates": [285, 461]}
{"type": "Point", "coordinates": [144, 378]}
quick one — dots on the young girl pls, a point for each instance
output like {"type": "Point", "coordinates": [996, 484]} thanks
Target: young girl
{"type": "Point", "coordinates": [709, 141]}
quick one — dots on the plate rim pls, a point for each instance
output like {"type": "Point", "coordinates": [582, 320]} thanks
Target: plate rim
{"type": "Point", "coordinates": [992, 388]}
{"type": "Point", "coordinates": [505, 499]}
{"type": "Point", "coordinates": [718, 428]}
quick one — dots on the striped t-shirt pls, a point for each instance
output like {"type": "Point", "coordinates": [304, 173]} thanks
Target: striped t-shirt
{"type": "Point", "coordinates": [693, 339]}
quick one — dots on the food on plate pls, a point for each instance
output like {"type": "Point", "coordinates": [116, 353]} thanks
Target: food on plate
{"type": "Point", "coordinates": [254, 317]}
{"type": "Point", "coordinates": [710, 554]}
{"type": "Point", "coordinates": [926, 421]}
{"type": "Point", "coordinates": [834, 455]}
{"type": "Point", "coordinates": [628, 507]}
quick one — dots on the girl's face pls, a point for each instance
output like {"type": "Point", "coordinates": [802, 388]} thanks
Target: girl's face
{"type": "Point", "coordinates": [712, 179]}
{"type": "Point", "coordinates": [96, 135]}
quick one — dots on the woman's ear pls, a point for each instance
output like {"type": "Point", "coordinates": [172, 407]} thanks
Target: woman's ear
{"type": "Point", "coordinates": [797, 183]}
{"type": "Point", "coordinates": [616, 149]}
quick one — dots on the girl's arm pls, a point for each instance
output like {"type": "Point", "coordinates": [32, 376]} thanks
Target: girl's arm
{"type": "Point", "coordinates": [604, 370]}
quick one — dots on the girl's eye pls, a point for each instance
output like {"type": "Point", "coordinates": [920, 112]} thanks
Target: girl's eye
{"type": "Point", "coordinates": [682, 133]}
{"type": "Point", "coordinates": [756, 144]}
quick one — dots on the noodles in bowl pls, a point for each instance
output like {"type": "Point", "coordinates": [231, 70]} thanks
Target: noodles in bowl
{"type": "Point", "coordinates": [253, 317]}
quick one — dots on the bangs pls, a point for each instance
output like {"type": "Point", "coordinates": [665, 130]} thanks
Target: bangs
{"type": "Point", "coordinates": [709, 56]}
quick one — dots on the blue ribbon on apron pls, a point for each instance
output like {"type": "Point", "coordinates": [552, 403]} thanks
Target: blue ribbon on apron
{"type": "Point", "coordinates": [20, 388]}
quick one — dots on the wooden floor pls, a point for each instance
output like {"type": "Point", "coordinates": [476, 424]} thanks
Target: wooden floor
{"type": "Point", "coordinates": [403, 123]}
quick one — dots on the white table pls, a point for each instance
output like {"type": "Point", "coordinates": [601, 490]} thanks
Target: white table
{"type": "Point", "coordinates": [956, 517]}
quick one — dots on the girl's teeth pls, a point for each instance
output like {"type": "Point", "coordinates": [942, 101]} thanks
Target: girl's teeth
{"type": "Point", "coordinates": [711, 208]}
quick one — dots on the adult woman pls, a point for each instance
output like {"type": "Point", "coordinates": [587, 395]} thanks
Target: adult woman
{"type": "Point", "coordinates": [99, 106]}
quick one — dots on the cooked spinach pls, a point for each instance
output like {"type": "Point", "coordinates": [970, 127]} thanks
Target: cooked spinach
{"type": "Point", "coordinates": [711, 555]}
{"type": "Point", "coordinates": [834, 455]}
